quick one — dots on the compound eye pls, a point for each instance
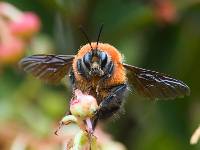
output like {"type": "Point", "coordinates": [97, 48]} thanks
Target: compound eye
{"type": "Point", "coordinates": [103, 57]}
{"type": "Point", "coordinates": [87, 59]}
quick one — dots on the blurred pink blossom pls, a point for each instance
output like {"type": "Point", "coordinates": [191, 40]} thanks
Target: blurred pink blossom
{"type": "Point", "coordinates": [16, 30]}
{"type": "Point", "coordinates": [26, 26]}
{"type": "Point", "coordinates": [165, 11]}
{"type": "Point", "coordinates": [11, 48]}
{"type": "Point", "coordinates": [11, 52]}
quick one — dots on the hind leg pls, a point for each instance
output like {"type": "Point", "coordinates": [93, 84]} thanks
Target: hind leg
{"type": "Point", "coordinates": [109, 106]}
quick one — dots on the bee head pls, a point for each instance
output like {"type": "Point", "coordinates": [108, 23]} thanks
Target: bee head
{"type": "Point", "coordinates": [95, 62]}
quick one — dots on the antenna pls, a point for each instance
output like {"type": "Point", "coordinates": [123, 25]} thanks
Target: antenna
{"type": "Point", "coordinates": [85, 34]}
{"type": "Point", "coordinates": [100, 31]}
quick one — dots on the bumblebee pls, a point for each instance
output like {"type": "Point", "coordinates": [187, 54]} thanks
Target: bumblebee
{"type": "Point", "coordinates": [98, 70]}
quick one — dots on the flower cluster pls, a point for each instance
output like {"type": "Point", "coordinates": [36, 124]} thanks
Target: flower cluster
{"type": "Point", "coordinates": [16, 30]}
{"type": "Point", "coordinates": [83, 108]}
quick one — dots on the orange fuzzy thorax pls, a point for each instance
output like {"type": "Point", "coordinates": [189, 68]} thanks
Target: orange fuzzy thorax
{"type": "Point", "coordinates": [119, 74]}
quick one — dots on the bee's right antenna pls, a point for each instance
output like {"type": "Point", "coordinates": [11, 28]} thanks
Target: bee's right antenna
{"type": "Point", "coordinates": [85, 34]}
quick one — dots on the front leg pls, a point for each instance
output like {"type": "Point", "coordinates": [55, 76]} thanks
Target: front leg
{"type": "Point", "coordinates": [111, 104]}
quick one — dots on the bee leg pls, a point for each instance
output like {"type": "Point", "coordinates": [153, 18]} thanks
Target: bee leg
{"type": "Point", "coordinates": [109, 70]}
{"type": "Point", "coordinates": [72, 78]}
{"type": "Point", "coordinates": [111, 104]}
{"type": "Point", "coordinates": [107, 75]}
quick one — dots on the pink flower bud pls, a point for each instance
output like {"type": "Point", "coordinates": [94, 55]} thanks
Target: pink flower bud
{"type": "Point", "coordinates": [26, 25]}
{"type": "Point", "coordinates": [83, 105]}
{"type": "Point", "coordinates": [11, 52]}
{"type": "Point", "coordinates": [165, 11]}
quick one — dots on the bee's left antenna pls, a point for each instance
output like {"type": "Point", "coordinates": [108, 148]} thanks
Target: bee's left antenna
{"type": "Point", "coordinates": [100, 31]}
{"type": "Point", "coordinates": [85, 34]}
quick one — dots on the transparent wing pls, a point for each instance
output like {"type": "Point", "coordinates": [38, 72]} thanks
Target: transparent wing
{"type": "Point", "coordinates": [155, 85]}
{"type": "Point", "coordinates": [49, 68]}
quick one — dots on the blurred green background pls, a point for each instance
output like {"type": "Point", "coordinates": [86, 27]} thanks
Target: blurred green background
{"type": "Point", "coordinates": [160, 35]}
